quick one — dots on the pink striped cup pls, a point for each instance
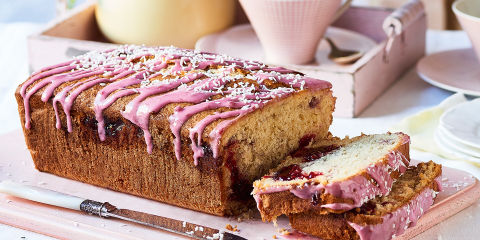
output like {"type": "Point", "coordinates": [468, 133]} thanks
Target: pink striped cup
{"type": "Point", "coordinates": [290, 30]}
{"type": "Point", "coordinates": [468, 14]}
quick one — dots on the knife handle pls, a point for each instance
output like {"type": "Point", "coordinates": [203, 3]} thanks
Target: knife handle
{"type": "Point", "coordinates": [41, 195]}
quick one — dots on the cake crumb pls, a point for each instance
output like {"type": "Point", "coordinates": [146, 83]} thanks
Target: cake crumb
{"type": "Point", "coordinates": [248, 215]}
{"type": "Point", "coordinates": [284, 231]}
{"type": "Point", "coordinates": [274, 237]}
{"type": "Point", "coordinates": [231, 228]}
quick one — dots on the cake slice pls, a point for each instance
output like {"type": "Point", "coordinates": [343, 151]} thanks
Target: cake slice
{"type": "Point", "coordinates": [383, 217]}
{"type": "Point", "coordinates": [333, 176]}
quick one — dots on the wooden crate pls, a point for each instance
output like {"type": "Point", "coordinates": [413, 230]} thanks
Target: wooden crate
{"type": "Point", "coordinates": [439, 12]}
{"type": "Point", "coordinates": [358, 87]}
{"type": "Point", "coordinates": [355, 87]}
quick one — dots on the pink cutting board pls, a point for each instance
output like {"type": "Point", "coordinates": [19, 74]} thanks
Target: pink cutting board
{"type": "Point", "coordinates": [460, 190]}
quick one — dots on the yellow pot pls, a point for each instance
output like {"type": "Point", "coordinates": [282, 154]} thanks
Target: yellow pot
{"type": "Point", "coordinates": [163, 22]}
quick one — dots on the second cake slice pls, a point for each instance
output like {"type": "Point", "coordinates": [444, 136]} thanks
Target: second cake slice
{"type": "Point", "coordinates": [381, 218]}
{"type": "Point", "coordinates": [333, 176]}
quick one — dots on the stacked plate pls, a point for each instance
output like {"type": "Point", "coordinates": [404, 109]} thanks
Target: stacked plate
{"type": "Point", "coordinates": [458, 131]}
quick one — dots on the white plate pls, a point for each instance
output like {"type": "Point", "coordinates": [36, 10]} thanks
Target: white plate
{"type": "Point", "coordinates": [462, 123]}
{"type": "Point", "coordinates": [242, 42]}
{"type": "Point", "coordinates": [459, 146]}
{"type": "Point", "coordinates": [456, 70]}
{"type": "Point", "coordinates": [448, 147]}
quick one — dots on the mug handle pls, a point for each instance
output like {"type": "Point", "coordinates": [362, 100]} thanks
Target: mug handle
{"type": "Point", "coordinates": [341, 10]}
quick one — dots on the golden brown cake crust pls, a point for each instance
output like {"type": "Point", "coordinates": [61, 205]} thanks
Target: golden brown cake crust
{"type": "Point", "coordinates": [121, 162]}
{"type": "Point", "coordinates": [335, 226]}
{"type": "Point", "coordinates": [325, 226]}
{"type": "Point", "coordinates": [272, 205]}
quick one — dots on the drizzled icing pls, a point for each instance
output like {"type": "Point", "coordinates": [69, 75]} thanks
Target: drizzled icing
{"type": "Point", "coordinates": [396, 222]}
{"type": "Point", "coordinates": [156, 77]}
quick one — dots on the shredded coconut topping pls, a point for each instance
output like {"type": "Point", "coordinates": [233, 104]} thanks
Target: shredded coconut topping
{"type": "Point", "coordinates": [158, 76]}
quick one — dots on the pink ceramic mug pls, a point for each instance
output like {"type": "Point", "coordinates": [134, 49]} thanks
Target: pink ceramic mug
{"type": "Point", "coordinates": [290, 30]}
{"type": "Point", "coordinates": [468, 14]}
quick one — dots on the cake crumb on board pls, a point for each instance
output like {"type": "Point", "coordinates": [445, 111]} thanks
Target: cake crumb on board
{"type": "Point", "coordinates": [232, 228]}
{"type": "Point", "coordinates": [248, 215]}
{"type": "Point", "coordinates": [283, 231]}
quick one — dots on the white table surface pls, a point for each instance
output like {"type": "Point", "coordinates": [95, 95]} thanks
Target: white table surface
{"type": "Point", "coordinates": [407, 96]}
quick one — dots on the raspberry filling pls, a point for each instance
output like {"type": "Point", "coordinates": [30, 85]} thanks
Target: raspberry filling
{"type": "Point", "coordinates": [293, 172]}
{"type": "Point", "coordinates": [311, 154]}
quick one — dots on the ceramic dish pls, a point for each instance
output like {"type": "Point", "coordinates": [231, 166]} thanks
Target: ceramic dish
{"type": "Point", "coordinates": [468, 15]}
{"type": "Point", "coordinates": [455, 145]}
{"type": "Point", "coordinates": [448, 147]}
{"type": "Point", "coordinates": [455, 70]}
{"type": "Point", "coordinates": [233, 42]}
{"type": "Point", "coordinates": [462, 123]}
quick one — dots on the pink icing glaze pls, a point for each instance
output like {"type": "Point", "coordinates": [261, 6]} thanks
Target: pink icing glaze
{"type": "Point", "coordinates": [293, 234]}
{"type": "Point", "coordinates": [130, 70]}
{"type": "Point", "coordinates": [67, 100]}
{"type": "Point", "coordinates": [55, 82]}
{"type": "Point", "coordinates": [142, 117]}
{"type": "Point", "coordinates": [197, 131]}
{"type": "Point", "coordinates": [397, 222]}
{"type": "Point", "coordinates": [60, 98]}
{"type": "Point", "coordinates": [249, 103]}
{"type": "Point", "coordinates": [358, 188]}
{"type": "Point", "coordinates": [217, 132]}
{"type": "Point", "coordinates": [138, 111]}
{"type": "Point", "coordinates": [105, 98]}
{"type": "Point", "coordinates": [60, 68]}
{"type": "Point", "coordinates": [181, 115]}
{"type": "Point", "coordinates": [406, 139]}
{"type": "Point", "coordinates": [439, 183]}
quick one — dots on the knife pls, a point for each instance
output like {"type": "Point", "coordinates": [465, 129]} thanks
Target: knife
{"type": "Point", "coordinates": [107, 210]}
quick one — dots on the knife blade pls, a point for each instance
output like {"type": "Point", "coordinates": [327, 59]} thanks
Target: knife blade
{"type": "Point", "coordinates": [107, 210]}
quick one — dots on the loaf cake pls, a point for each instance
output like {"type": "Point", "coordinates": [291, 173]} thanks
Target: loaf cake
{"type": "Point", "coordinates": [383, 217]}
{"type": "Point", "coordinates": [187, 128]}
{"type": "Point", "coordinates": [333, 176]}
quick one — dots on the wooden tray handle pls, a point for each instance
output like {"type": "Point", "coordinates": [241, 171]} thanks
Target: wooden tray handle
{"type": "Point", "coordinates": [399, 20]}
{"type": "Point", "coordinates": [403, 17]}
